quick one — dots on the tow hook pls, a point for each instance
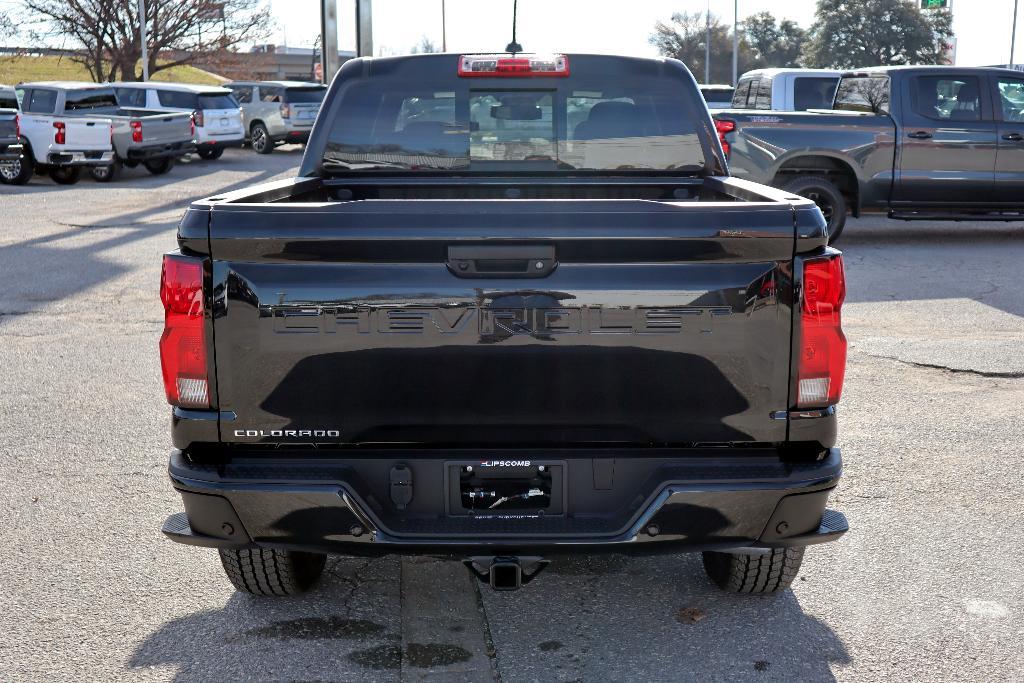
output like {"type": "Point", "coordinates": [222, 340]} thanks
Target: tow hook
{"type": "Point", "coordinates": [507, 572]}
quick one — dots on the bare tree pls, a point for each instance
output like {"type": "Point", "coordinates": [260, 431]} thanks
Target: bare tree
{"type": "Point", "coordinates": [178, 31]}
{"type": "Point", "coordinates": [425, 46]}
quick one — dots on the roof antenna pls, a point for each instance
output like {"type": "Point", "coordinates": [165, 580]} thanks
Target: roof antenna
{"type": "Point", "coordinates": [514, 47]}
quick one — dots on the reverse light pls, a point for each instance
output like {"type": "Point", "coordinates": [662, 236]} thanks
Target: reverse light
{"type": "Point", "coordinates": [822, 363]}
{"type": "Point", "coordinates": [183, 343]}
{"type": "Point", "coordinates": [60, 135]}
{"type": "Point", "coordinates": [136, 127]}
{"type": "Point", "coordinates": [515, 67]}
{"type": "Point", "coordinates": [286, 111]}
{"type": "Point", "coordinates": [724, 126]}
{"type": "Point", "coordinates": [198, 119]}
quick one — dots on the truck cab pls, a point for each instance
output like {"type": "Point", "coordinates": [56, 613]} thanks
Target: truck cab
{"type": "Point", "coordinates": [785, 89]}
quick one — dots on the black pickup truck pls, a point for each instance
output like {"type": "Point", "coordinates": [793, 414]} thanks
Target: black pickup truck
{"type": "Point", "coordinates": [505, 313]}
{"type": "Point", "coordinates": [920, 143]}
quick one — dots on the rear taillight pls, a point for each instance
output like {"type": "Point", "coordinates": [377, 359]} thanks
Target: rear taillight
{"type": "Point", "coordinates": [724, 126]}
{"type": "Point", "coordinates": [17, 126]}
{"type": "Point", "coordinates": [286, 111]}
{"type": "Point", "coordinates": [822, 363]}
{"type": "Point", "coordinates": [198, 119]}
{"type": "Point", "coordinates": [500, 65]}
{"type": "Point", "coordinates": [60, 134]}
{"type": "Point", "coordinates": [183, 344]}
{"type": "Point", "coordinates": [136, 131]}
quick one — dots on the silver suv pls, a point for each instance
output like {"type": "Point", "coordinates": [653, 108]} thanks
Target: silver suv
{"type": "Point", "coordinates": [277, 112]}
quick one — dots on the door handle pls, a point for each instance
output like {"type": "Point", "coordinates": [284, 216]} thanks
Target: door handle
{"type": "Point", "coordinates": [1013, 137]}
{"type": "Point", "coordinates": [920, 135]}
{"type": "Point", "coordinates": [498, 260]}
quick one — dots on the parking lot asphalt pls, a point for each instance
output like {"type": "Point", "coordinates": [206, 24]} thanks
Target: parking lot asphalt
{"type": "Point", "coordinates": [928, 584]}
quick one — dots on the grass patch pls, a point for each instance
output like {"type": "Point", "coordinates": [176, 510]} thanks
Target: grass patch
{"type": "Point", "coordinates": [25, 69]}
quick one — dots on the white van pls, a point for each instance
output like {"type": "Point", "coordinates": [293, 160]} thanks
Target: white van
{"type": "Point", "coordinates": [218, 117]}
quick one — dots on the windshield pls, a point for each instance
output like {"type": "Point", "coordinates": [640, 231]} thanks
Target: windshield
{"type": "Point", "coordinates": [96, 98]}
{"type": "Point", "coordinates": [217, 101]}
{"type": "Point", "coordinates": [521, 126]}
{"type": "Point", "coordinates": [305, 95]}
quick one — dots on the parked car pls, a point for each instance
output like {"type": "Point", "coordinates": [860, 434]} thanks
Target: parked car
{"type": "Point", "coordinates": [153, 138]}
{"type": "Point", "coordinates": [785, 89]}
{"type": "Point", "coordinates": [717, 96]}
{"type": "Point", "coordinates": [57, 142]}
{"type": "Point", "coordinates": [216, 113]}
{"type": "Point", "coordinates": [935, 143]}
{"type": "Point", "coordinates": [536, 339]}
{"type": "Point", "coordinates": [10, 139]}
{"type": "Point", "coordinates": [277, 112]}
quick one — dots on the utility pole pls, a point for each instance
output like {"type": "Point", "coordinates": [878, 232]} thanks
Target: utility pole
{"type": "Point", "coordinates": [364, 28]}
{"type": "Point", "coordinates": [735, 40]}
{"type": "Point", "coordinates": [1013, 33]}
{"type": "Point", "coordinates": [143, 40]}
{"type": "Point", "coordinates": [329, 39]}
{"type": "Point", "coordinates": [444, 30]}
{"type": "Point", "coordinates": [707, 45]}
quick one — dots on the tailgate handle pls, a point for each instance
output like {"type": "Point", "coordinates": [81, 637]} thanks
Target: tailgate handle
{"type": "Point", "coordinates": [493, 260]}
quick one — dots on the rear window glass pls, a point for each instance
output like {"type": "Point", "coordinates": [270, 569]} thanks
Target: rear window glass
{"type": "Point", "coordinates": [763, 96]}
{"type": "Point", "coordinates": [131, 97]}
{"type": "Point", "coordinates": [305, 95]}
{"type": "Point", "coordinates": [814, 92]}
{"type": "Point", "coordinates": [863, 93]}
{"type": "Point", "coordinates": [177, 99]}
{"type": "Point", "coordinates": [8, 100]}
{"type": "Point", "coordinates": [217, 101]}
{"type": "Point", "coordinates": [739, 97]}
{"type": "Point", "coordinates": [384, 125]}
{"type": "Point", "coordinates": [717, 95]}
{"type": "Point", "coordinates": [99, 98]}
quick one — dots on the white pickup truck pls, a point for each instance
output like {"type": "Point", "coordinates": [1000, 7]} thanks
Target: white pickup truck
{"type": "Point", "coordinates": [154, 139]}
{"type": "Point", "coordinates": [54, 144]}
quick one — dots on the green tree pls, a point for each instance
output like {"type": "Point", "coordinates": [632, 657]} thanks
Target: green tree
{"type": "Point", "coordinates": [859, 33]}
{"type": "Point", "coordinates": [684, 37]}
{"type": "Point", "coordinates": [774, 43]}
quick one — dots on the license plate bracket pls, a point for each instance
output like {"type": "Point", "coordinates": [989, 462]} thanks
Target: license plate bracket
{"type": "Point", "coordinates": [505, 488]}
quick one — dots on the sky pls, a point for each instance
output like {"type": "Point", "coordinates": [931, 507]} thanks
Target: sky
{"type": "Point", "coordinates": [982, 27]}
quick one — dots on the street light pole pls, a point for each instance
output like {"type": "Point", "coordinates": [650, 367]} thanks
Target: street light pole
{"type": "Point", "coordinates": [444, 30]}
{"type": "Point", "coordinates": [1013, 33]}
{"type": "Point", "coordinates": [735, 40]}
{"type": "Point", "coordinates": [143, 40]}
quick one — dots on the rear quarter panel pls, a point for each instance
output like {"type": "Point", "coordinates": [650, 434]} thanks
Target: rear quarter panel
{"type": "Point", "coordinates": [765, 142]}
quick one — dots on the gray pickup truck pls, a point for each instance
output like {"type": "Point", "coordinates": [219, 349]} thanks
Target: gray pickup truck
{"type": "Point", "coordinates": [10, 138]}
{"type": "Point", "coordinates": [140, 136]}
{"type": "Point", "coordinates": [936, 143]}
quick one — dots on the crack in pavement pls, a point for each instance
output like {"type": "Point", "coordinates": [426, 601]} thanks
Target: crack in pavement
{"type": "Point", "coordinates": [1012, 374]}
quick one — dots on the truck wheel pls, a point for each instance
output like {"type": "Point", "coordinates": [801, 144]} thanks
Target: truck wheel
{"type": "Point", "coordinates": [769, 573]}
{"type": "Point", "coordinates": [18, 173]}
{"type": "Point", "coordinates": [260, 140]}
{"type": "Point", "coordinates": [827, 196]}
{"type": "Point", "coordinates": [272, 572]}
{"type": "Point", "coordinates": [105, 174]}
{"type": "Point", "coordinates": [210, 153]}
{"type": "Point", "coordinates": [159, 166]}
{"type": "Point", "coordinates": [65, 175]}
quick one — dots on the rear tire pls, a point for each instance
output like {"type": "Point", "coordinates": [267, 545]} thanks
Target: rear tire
{"type": "Point", "coordinates": [272, 572]}
{"type": "Point", "coordinates": [105, 174]}
{"type": "Point", "coordinates": [761, 574]}
{"type": "Point", "coordinates": [65, 175]}
{"type": "Point", "coordinates": [210, 153]}
{"type": "Point", "coordinates": [259, 138]}
{"type": "Point", "coordinates": [827, 196]}
{"type": "Point", "coordinates": [20, 172]}
{"type": "Point", "coordinates": [159, 166]}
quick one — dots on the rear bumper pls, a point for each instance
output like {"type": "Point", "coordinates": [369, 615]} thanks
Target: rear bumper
{"type": "Point", "coordinates": [80, 158]}
{"type": "Point", "coordinates": [226, 142]}
{"type": "Point", "coordinates": [169, 149]}
{"type": "Point", "coordinates": [746, 503]}
{"type": "Point", "coordinates": [10, 153]}
{"type": "Point", "coordinates": [300, 136]}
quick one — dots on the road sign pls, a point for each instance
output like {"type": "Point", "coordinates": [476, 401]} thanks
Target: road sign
{"type": "Point", "coordinates": [934, 4]}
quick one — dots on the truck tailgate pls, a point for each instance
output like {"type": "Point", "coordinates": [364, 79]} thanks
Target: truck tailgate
{"type": "Point", "coordinates": [86, 133]}
{"type": "Point", "coordinates": [571, 322]}
{"type": "Point", "coordinates": [161, 128]}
